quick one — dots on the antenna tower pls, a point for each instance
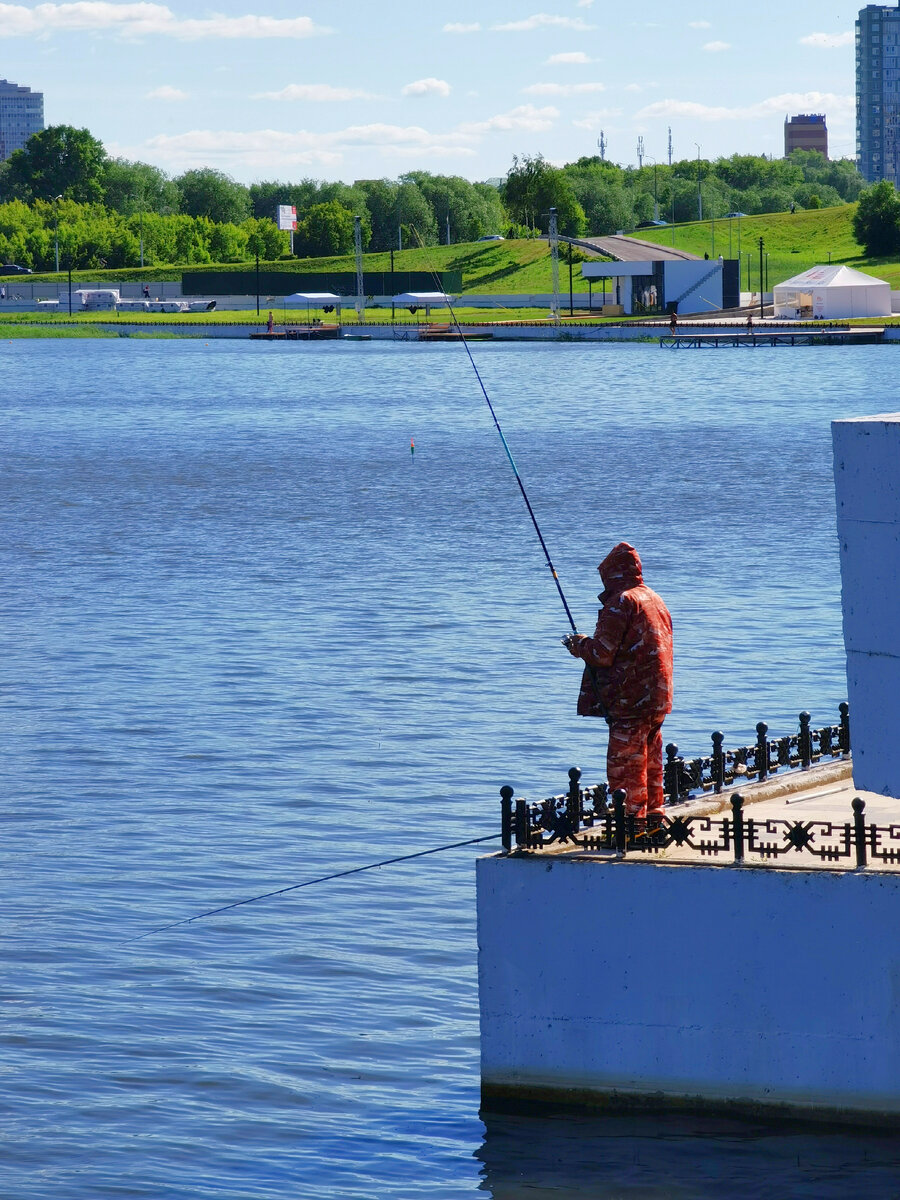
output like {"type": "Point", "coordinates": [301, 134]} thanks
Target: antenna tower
{"type": "Point", "coordinates": [640, 151]}
{"type": "Point", "coordinates": [670, 145]}
{"type": "Point", "coordinates": [601, 142]}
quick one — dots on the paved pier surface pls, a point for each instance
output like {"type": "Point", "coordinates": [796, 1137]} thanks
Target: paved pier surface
{"type": "Point", "coordinates": [821, 798]}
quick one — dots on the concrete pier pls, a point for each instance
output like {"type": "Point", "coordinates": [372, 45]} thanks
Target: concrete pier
{"type": "Point", "coordinates": [672, 982]}
{"type": "Point", "coordinates": [743, 957]}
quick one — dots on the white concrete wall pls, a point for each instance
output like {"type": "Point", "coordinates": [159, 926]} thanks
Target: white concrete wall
{"type": "Point", "coordinates": [701, 985]}
{"type": "Point", "coordinates": [867, 489]}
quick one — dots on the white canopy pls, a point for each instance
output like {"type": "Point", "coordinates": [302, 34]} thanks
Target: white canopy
{"type": "Point", "coordinates": [313, 298]}
{"type": "Point", "coordinates": [832, 292]}
{"type": "Point", "coordinates": [431, 299]}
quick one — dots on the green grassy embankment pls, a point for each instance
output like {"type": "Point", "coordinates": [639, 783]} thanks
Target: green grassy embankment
{"type": "Point", "coordinates": [518, 266]}
{"type": "Point", "coordinates": [794, 242]}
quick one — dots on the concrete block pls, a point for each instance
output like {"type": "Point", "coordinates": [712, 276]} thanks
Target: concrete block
{"type": "Point", "coordinates": [721, 986]}
{"type": "Point", "coordinates": [873, 683]}
{"type": "Point", "coordinates": [870, 586]}
{"type": "Point", "coordinates": [867, 468]}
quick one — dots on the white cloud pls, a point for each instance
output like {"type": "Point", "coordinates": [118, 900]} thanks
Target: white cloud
{"type": "Point", "coordinates": [584, 3]}
{"type": "Point", "coordinates": [837, 107]}
{"type": "Point", "coordinates": [459, 27]}
{"type": "Point", "coordinates": [262, 149]}
{"type": "Point", "coordinates": [717, 47]}
{"type": "Point", "coordinates": [598, 118]}
{"type": "Point", "coordinates": [427, 87]}
{"type": "Point", "coordinates": [828, 41]}
{"type": "Point", "coordinates": [166, 93]}
{"type": "Point", "coordinates": [563, 89]}
{"type": "Point", "coordinates": [699, 25]}
{"type": "Point", "coordinates": [144, 19]}
{"type": "Point", "coordinates": [319, 93]}
{"type": "Point", "coordinates": [574, 56]}
{"type": "Point", "coordinates": [542, 21]}
{"type": "Point", "coordinates": [526, 117]}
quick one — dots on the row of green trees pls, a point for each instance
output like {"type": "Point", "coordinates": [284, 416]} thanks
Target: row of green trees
{"type": "Point", "coordinates": [90, 235]}
{"type": "Point", "coordinates": [599, 197]}
{"type": "Point", "coordinates": [63, 187]}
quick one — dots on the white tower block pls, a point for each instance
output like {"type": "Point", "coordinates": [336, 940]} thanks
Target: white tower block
{"type": "Point", "coordinates": [867, 489]}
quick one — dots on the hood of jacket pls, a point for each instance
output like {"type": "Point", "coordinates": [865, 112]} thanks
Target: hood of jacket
{"type": "Point", "coordinates": [620, 570]}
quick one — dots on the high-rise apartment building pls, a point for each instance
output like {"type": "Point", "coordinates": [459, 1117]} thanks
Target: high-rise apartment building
{"type": "Point", "coordinates": [21, 115]}
{"type": "Point", "coordinates": [878, 92]}
{"type": "Point", "coordinates": [807, 131]}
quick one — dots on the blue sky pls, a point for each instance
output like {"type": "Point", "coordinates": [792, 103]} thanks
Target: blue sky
{"type": "Point", "coordinates": [271, 89]}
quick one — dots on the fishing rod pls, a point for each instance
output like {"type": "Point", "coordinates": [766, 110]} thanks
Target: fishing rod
{"type": "Point", "coordinates": [512, 461]}
{"type": "Point", "coordinates": [294, 887]}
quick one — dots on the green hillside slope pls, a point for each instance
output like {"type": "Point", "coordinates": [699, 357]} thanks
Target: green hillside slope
{"type": "Point", "coordinates": [794, 242]}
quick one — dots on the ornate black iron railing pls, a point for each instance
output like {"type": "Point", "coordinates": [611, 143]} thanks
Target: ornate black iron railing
{"type": "Point", "coordinates": [760, 760]}
{"type": "Point", "coordinates": [529, 825]}
{"type": "Point", "coordinates": [736, 836]}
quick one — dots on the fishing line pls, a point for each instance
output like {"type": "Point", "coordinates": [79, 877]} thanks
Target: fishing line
{"type": "Point", "coordinates": [512, 461]}
{"type": "Point", "coordinates": [387, 862]}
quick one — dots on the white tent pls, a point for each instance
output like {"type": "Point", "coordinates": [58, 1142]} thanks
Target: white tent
{"type": "Point", "coordinates": [832, 292]}
{"type": "Point", "coordinates": [426, 300]}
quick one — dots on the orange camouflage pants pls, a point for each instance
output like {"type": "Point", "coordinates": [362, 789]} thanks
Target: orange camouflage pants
{"type": "Point", "coordinates": [634, 762]}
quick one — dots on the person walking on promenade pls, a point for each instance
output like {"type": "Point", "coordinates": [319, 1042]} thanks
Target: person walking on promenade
{"type": "Point", "coordinates": [628, 679]}
{"type": "Point", "coordinates": [673, 323]}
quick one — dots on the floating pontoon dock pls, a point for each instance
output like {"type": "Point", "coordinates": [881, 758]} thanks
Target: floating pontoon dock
{"type": "Point", "coordinates": [844, 336]}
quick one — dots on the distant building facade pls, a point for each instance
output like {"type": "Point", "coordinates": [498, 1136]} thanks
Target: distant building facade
{"type": "Point", "coordinates": [878, 92]}
{"type": "Point", "coordinates": [21, 115]}
{"type": "Point", "coordinates": [807, 131]}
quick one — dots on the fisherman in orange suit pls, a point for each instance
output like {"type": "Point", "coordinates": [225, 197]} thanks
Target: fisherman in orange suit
{"type": "Point", "coordinates": [628, 679]}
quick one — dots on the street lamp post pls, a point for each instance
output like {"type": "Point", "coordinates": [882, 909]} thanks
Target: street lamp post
{"type": "Point", "coordinates": [56, 200]}
{"type": "Point", "coordinates": [699, 197]}
{"type": "Point", "coordinates": [762, 306]}
{"type": "Point", "coordinates": [655, 189]}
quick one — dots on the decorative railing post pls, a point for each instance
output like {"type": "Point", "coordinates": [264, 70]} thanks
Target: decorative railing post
{"type": "Point", "coordinates": [718, 761]}
{"type": "Point", "coordinates": [672, 780]}
{"type": "Point", "coordinates": [573, 803]}
{"type": "Point", "coordinates": [762, 751]}
{"type": "Point", "coordinates": [506, 810]}
{"type": "Point", "coordinates": [737, 828]}
{"type": "Point", "coordinates": [805, 742]}
{"type": "Point", "coordinates": [523, 839]}
{"type": "Point", "coordinates": [618, 799]}
{"type": "Point", "coordinates": [845, 728]}
{"type": "Point", "coordinates": [859, 832]}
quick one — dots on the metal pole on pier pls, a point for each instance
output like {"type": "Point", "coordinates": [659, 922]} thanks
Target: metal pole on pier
{"type": "Point", "coordinates": [762, 295]}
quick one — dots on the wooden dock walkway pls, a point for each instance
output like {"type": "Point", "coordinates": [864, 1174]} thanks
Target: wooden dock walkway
{"type": "Point", "coordinates": [837, 336]}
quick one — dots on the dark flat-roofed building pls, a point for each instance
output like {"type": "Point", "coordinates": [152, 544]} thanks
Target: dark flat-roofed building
{"type": "Point", "coordinates": [21, 115]}
{"type": "Point", "coordinates": [807, 131]}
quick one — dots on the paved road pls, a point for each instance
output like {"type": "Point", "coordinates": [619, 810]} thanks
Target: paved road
{"type": "Point", "coordinates": [627, 249]}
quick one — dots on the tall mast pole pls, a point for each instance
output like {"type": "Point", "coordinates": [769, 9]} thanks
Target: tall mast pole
{"type": "Point", "coordinates": [360, 287]}
{"type": "Point", "coordinates": [554, 258]}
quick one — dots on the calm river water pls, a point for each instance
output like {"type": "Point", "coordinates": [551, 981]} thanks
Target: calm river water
{"type": "Point", "coordinates": [249, 640]}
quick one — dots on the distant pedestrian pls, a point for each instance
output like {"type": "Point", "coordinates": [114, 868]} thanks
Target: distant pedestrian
{"type": "Point", "coordinates": [673, 323]}
{"type": "Point", "coordinates": [2, 293]}
{"type": "Point", "coordinates": [270, 324]}
{"type": "Point", "coordinates": [146, 291]}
